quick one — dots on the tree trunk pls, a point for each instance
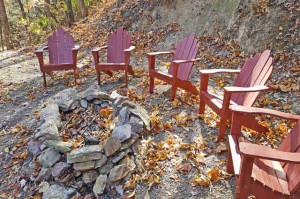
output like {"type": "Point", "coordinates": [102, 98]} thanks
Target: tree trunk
{"type": "Point", "coordinates": [1, 37]}
{"type": "Point", "coordinates": [5, 26]}
{"type": "Point", "coordinates": [70, 14]}
{"type": "Point", "coordinates": [22, 9]}
{"type": "Point", "coordinates": [83, 8]}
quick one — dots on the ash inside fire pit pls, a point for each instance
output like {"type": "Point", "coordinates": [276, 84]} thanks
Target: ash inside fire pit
{"type": "Point", "coordinates": [89, 142]}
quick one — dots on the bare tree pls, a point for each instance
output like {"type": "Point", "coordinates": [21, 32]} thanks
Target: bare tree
{"type": "Point", "coordinates": [5, 26]}
{"type": "Point", "coordinates": [70, 14]}
{"type": "Point", "coordinates": [83, 8]}
{"type": "Point", "coordinates": [22, 9]}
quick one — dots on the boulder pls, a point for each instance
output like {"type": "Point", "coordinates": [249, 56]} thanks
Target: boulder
{"type": "Point", "coordinates": [59, 145]}
{"type": "Point", "coordinates": [89, 176]}
{"type": "Point", "coordinates": [58, 191]}
{"type": "Point", "coordinates": [111, 146]}
{"type": "Point", "coordinates": [49, 157]}
{"type": "Point", "coordinates": [118, 172]}
{"type": "Point", "coordinates": [67, 99]}
{"type": "Point", "coordinates": [123, 133]}
{"type": "Point", "coordinates": [51, 112]}
{"type": "Point", "coordinates": [99, 185]}
{"type": "Point", "coordinates": [84, 154]}
{"type": "Point", "coordinates": [49, 131]}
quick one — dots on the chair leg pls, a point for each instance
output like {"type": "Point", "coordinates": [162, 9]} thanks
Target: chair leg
{"type": "Point", "coordinates": [222, 129]}
{"type": "Point", "coordinates": [151, 87]}
{"type": "Point", "coordinates": [229, 166]}
{"type": "Point", "coordinates": [44, 77]}
{"type": "Point", "coordinates": [173, 92]}
{"type": "Point", "coordinates": [75, 76]}
{"type": "Point", "coordinates": [201, 106]}
{"type": "Point", "coordinates": [98, 76]}
{"type": "Point", "coordinates": [126, 77]}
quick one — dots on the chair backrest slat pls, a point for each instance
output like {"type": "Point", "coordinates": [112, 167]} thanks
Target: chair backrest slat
{"type": "Point", "coordinates": [256, 71]}
{"type": "Point", "coordinates": [292, 144]}
{"type": "Point", "coordinates": [60, 45]}
{"type": "Point", "coordinates": [186, 49]}
{"type": "Point", "coordinates": [117, 43]}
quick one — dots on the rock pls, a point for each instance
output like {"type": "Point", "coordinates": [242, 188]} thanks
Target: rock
{"type": "Point", "coordinates": [119, 100]}
{"type": "Point", "coordinates": [93, 93]}
{"type": "Point", "coordinates": [123, 133]}
{"type": "Point", "coordinates": [49, 157]}
{"type": "Point", "coordinates": [131, 141]}
{"type": "Point", "coordinates": [89, 176]}
{"type": "Point", "coordinates": [34, 147]}
{"type": "Point", "coordinates": [56, 191]}
{"type": "Point", "coordinates": [100, 184]}
{"type": "Point", "coordinates": [83, 103]}
{"type": "Point", "coordinates": [49, 131]}
{"type": "Point", "coordinates": [78, 185]}
{"type": "Point", "coordinates": [59, 168]}
{"type": "Point", "coordinates": [118, 172]}
{"type": "Point", "coordinates": [84, 154]}
{"type": "Point", "coordinates": [67, 99]}
{"type": "Point", "coordinates": [115, 159]}
{"type": "Point", "coordinates": [51, 112]}
{"type": "Point", "coordinates": [84, 166]}
{"type": "Point", "coordinates": [139, 111]}
{"type": "Point", "coordinates": [123, 116]}
{"type": "Point", "coordinates": [114, 95]}
{"type": "Point", "coordinates": [101, 162]}
{"type": "Point", "coordinates": [77, 173]}
{"type": "Point", "coordinates": [66, 179]}
{"type": "Point", "coordinates": [137, 125]}
{"type": "Point", "coordinates": [44, 174]}
{"type": "Point", "coordinates": [105, 169]}
{"type": "Point", "coordinates": [43, 186]}
{"type": "Point", "coordinates": [91, 141]}
{"type": "Point", "coordinates": [97, 102]}
{"type": "Point", "coordinates": [59, 145]}
{"type": "Point", "coordinates": [111, 146]}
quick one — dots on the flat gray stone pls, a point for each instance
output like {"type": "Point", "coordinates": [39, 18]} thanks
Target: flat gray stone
{"type": "Point", "coordinates": [89, 176]}
{"type": "Point", "coordinates": [59, 146]}
{"type": "Point", "coordinates": [137, 124]}
{"type": "Point", "coordinates": [134, 137]}
{"type": "Point", "coordinates": [84, 166]}
{"type": "Point", "coordinates": [49, 157]}
{"type": "Point", "coordinates": [56, 191]}
{"type": "Point", "coordinates": [59, 168]}
{"type": "Point", "coordinates": [49, 131]}
{"type": "Point", "coordinates": [105, 169]}
{"type": "Point", "coordinates": [123, 117]}
{"type": "Point", "coordinates": [67, 99]}
{"type": "Point", "coordinates": [44, 174]}
{"type": "Point", "coordinates": [99, 185]}
{"type": "Point", "coordinates": [34, 147]}
{"type": "Point", "coordinates": [115, 159]}
{"type": "Point", "coordinates": [101, 162]}
{"type": "Point", "coordinates": [123, 132]}
{"type": "Point", "coordinates": [51, 112]}
{"type": "Point", "coordinates": [83, 103]}
{"type": "Point", "coordinates": [84, 154]}
{"type": "Point", "coordinates": [118, 172]}
{"type": "Point", "coordinates": [111, 146]}
{"type": "Point", "coordinates": [93, 93]}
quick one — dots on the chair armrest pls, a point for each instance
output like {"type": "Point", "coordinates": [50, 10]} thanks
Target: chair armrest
{"type": "Point", "coordinates": [100, 48]}
{"type": "Point", "coordinates": [253, 110]}
{"type": "Point", "coordinates": [235, 89]}
{"type": "Point", "coordinates": [215, 71]}
{"type": "Point", "coordinates": [129, 49]}
{"type": "Point", "coordinates": [258, 151]}
{"type": "Point", "coordinates": [186, 61]}
{"type": "Point", "coordinates": [42, 49]}
{"type": "Point", "coordinates": [160, 53]}
{"type": "Point", "coordinates": [76, 47]}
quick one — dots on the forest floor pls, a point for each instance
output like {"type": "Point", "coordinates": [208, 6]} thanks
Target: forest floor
{"type": "Point", "coordinates": [22, 95]}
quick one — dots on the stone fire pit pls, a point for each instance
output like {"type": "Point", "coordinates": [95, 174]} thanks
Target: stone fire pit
{"type": "Point", "coordinates": [85, 156]}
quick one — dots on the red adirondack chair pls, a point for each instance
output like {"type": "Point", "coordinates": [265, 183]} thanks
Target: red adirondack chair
{"type": "Point", "coordinates": [260, 170]}
{"type": "Point", "coordinates": [62, 54]}
{"type": "Point", "coordinates": [118, 55]}
{"type": "Point", "coordinates": [180, 69]}
{"type": "Point", "coordinates": [246, 87]}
